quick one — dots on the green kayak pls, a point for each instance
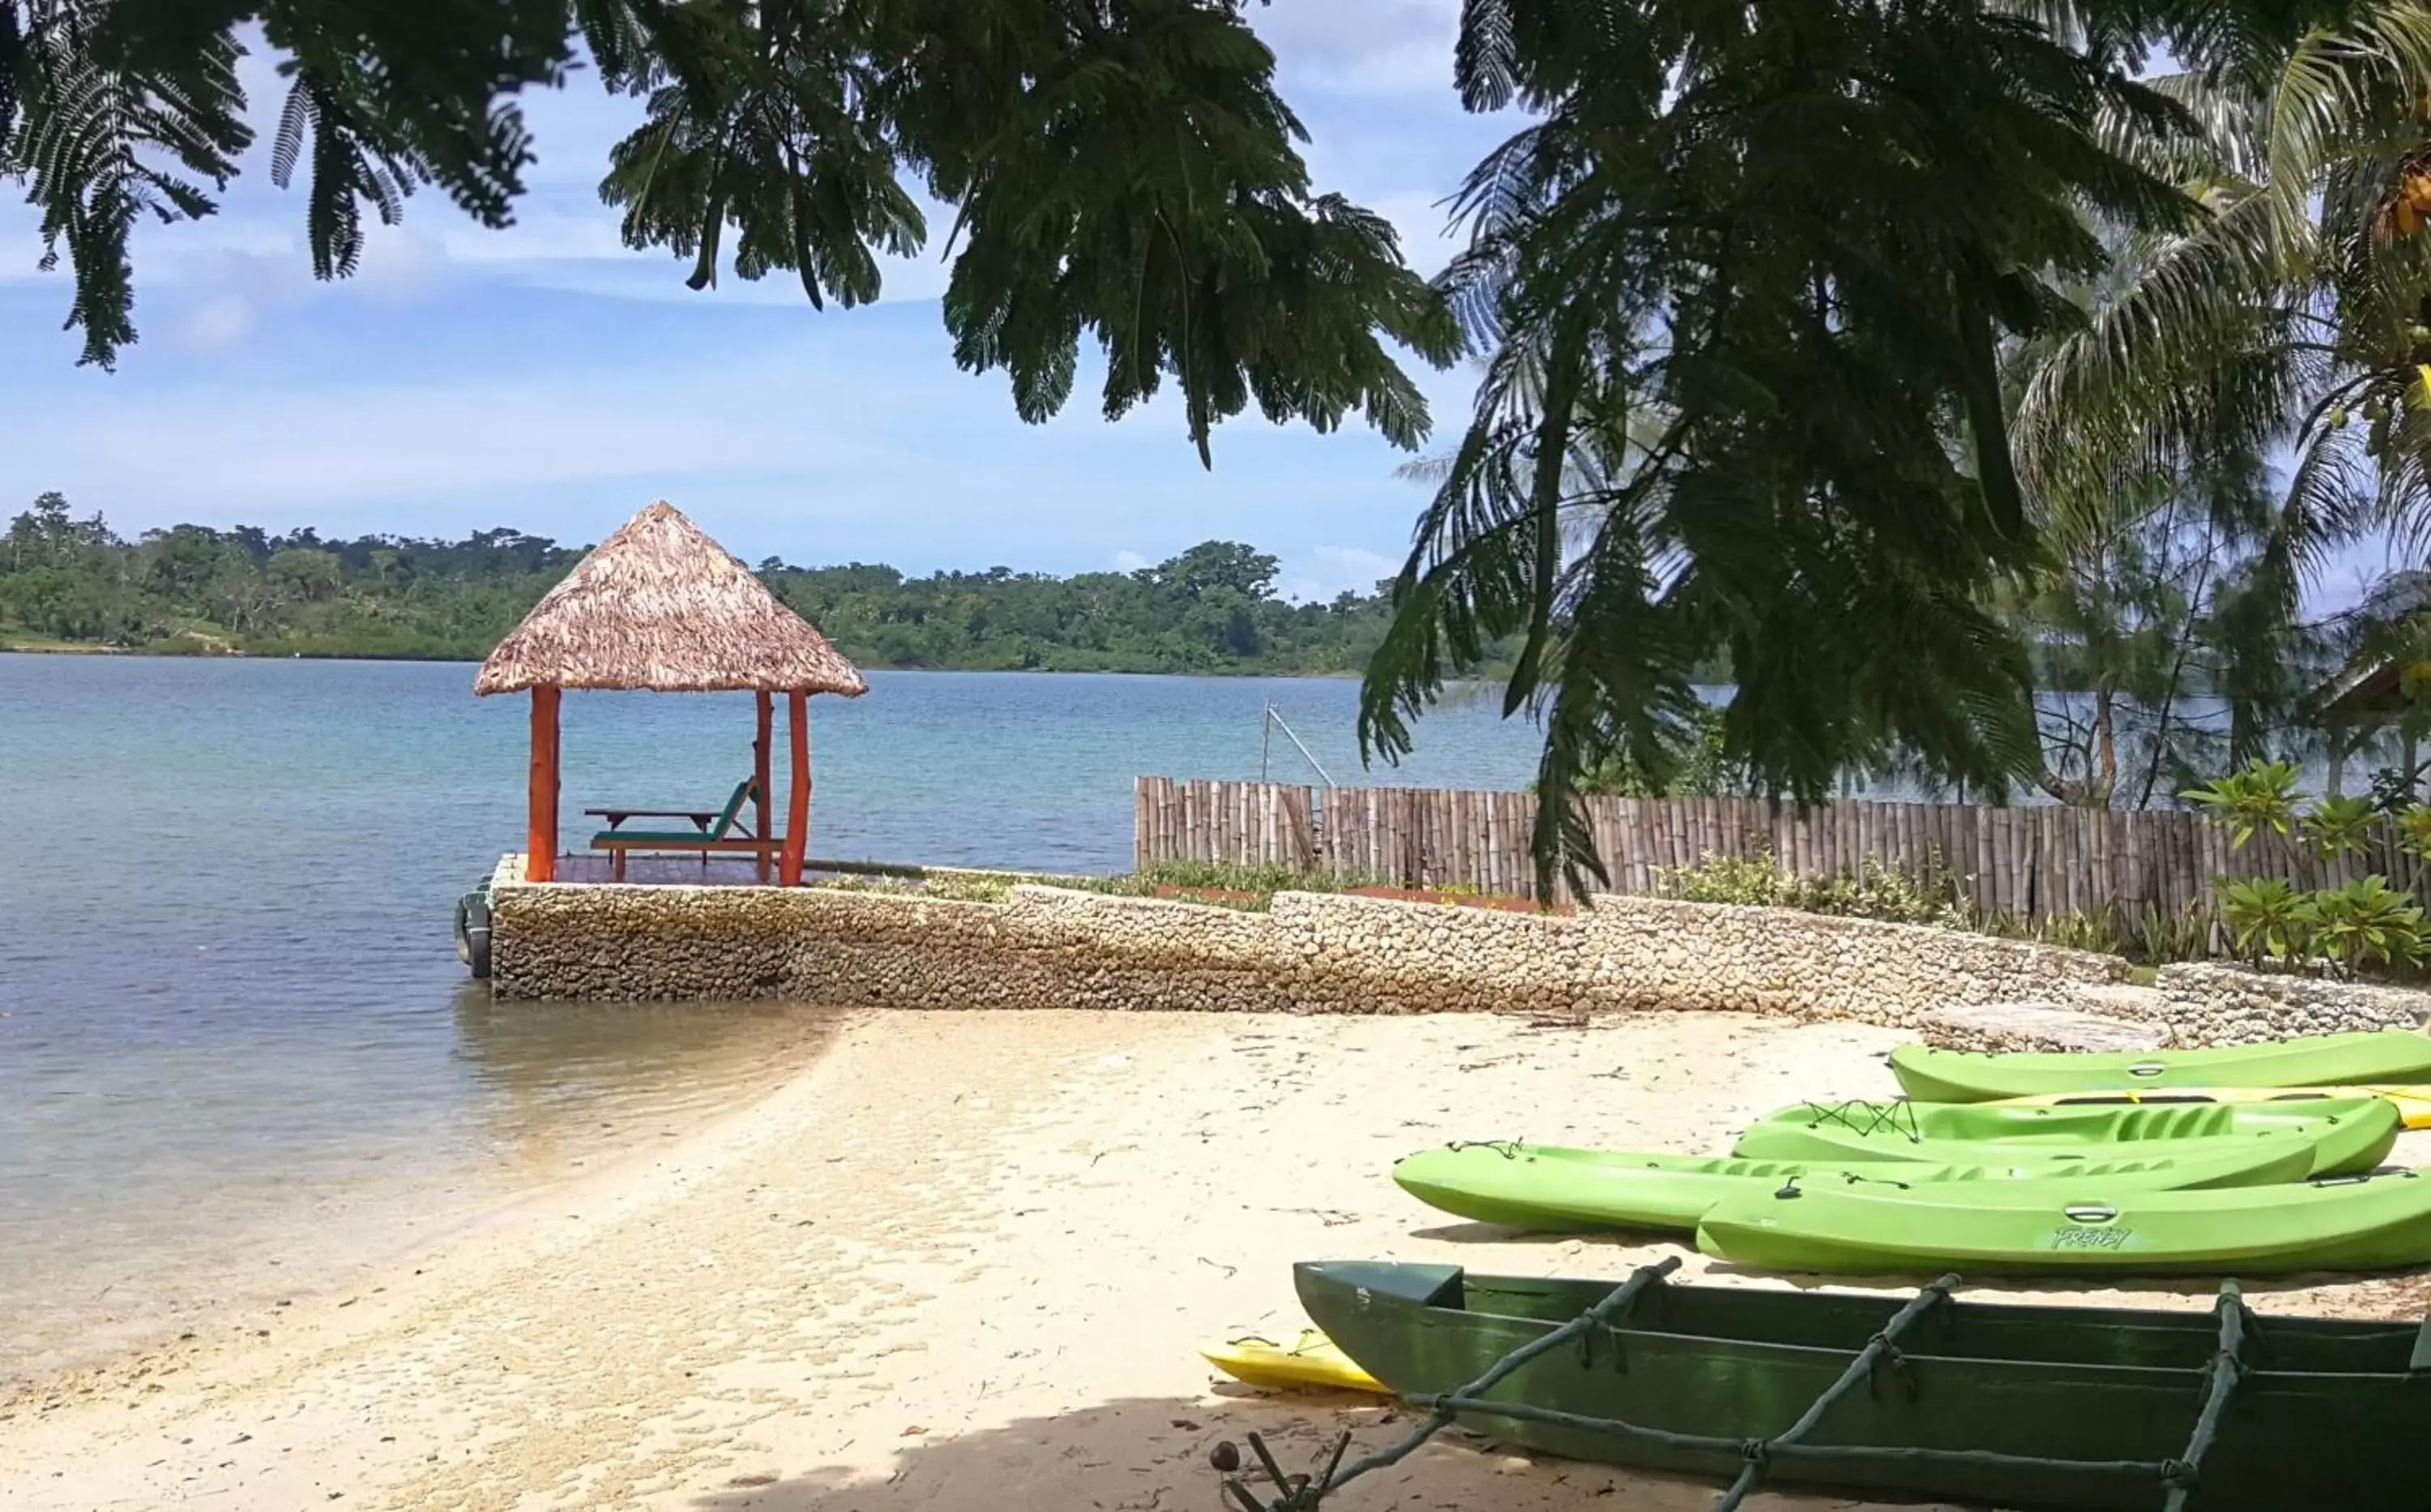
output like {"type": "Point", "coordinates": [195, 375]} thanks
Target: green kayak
{"type": "Point", "coordinates": [1557, 1190]}
{"type": "Point", "coordinates": [2375, 1222]}
{"type": "Point", "coordinates": [2319, 1060]}
{"type": "Point", "coordinates": [2347, 1134]}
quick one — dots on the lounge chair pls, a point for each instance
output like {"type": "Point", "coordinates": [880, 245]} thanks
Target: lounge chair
{"type": "Point", "coordinates": [705, 838]}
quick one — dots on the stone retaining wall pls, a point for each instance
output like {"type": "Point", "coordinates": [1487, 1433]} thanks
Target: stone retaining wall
{"type": "Point", "coordinates": [1315, 952]}
{"type": "Point", "coordinates": [1329, 953]}
{"type": "Point", "coordinates": [2211, 1004]}
{"type": "Point", "coordinates": [1310, 953]}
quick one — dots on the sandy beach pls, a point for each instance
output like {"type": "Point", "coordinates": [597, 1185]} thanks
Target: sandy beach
{"type": "Point", "coordinates": [959, 1265]}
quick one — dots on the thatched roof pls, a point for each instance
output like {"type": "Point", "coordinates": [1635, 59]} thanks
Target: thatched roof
{"type": "Point", "coordinates": [660, 606]}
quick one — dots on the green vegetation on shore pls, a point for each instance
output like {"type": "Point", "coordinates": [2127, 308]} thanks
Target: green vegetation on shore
{"type": "Point", "coordinates": [70, 583]}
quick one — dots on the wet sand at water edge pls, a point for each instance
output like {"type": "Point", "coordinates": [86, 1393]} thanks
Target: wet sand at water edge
{"type": "Point", "coordinates": [960, 1265]}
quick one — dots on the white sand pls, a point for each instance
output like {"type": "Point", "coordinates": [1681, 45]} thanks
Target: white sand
{"type": "Point", "coordinates": [960, 1266]}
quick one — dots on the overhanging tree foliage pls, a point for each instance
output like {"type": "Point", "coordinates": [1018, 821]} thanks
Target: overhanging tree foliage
{"type": "Point", "coordinates": [1121, 169]}
{"type": "Point", "coordinates": [1799, 243]}
{"type": "Point", "coordinates": [1798, 233]}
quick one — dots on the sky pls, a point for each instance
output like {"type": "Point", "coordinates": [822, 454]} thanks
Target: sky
{"type": "Point", "coordinates": [548, 379]}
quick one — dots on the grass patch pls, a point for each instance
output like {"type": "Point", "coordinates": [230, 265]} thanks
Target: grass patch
{"type": "Point", "coordinates": [2146, 937]}
{"type": "Point", "coordinates": [1251, 888]}
{"type": "Point", "coordinates": [1930, 895]}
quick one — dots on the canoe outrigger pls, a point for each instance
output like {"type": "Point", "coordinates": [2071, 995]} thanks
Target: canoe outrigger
{"type": "Point", "coordinates": [2111, 1409]}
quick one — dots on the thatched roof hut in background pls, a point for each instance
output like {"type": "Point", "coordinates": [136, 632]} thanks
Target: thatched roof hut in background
{"type": "Point", "coordinates": [659, 607]}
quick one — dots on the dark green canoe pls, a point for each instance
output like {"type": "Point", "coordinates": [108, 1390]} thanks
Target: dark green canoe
{"type": "Point", "coordinates": [2322, 1415]}
{"type": "Point", "coordinates": [2082, 1224]}
{"type": "Point", "coordinates": [2348, 1134]}
{"type": "Point", "coordinates": [1551, 1189]}
{"type": "Point", "coordinates": [2314, 1060]}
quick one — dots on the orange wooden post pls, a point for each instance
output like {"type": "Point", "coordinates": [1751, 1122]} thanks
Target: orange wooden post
{"type": "Point", "coordinates": [759, 776]}
{"type": "Point", "coordinates": [540, 840]}
{"type": "Point", "coordinates": [797, 807]}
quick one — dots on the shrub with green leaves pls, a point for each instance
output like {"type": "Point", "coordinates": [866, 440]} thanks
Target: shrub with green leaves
{"type": "Point", "coordinates": [2414, 830]}
{"type": "Point", "coordinates": [2365, 921]}
{"type": "Point", "coordinates": [2266, 916]}
{"type": "Point", "coordinates": [2338, 826]}
{"type": "Point", "coordinates": [1873, 891]}
{"type": "Point", "coordinates": [2261, 796]}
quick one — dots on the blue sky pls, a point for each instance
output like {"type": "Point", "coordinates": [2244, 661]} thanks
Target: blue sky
{"type": "Point", "coordinates": [548, 379]}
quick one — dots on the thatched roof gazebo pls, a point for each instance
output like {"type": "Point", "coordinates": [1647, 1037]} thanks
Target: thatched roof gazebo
{"type": "Point", "coordinates": [660, 606]}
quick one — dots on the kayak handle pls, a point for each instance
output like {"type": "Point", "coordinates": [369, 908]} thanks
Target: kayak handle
{"type": "Point", "coordinates": [2146, 1069]}
{"type": "Point", "coordinates": [2089, 1213]}
{"type": "Point", "coordinates": [1507, 1148]}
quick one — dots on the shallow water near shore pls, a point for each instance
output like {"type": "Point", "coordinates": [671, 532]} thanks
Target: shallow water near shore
{"type": "Point", "coordinates": [239, 1061]}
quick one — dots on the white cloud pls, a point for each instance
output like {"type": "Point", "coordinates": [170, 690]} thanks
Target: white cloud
{"type": "Point", "coordinates": [1374, 47]}
{"type": "Point", "coordinates": [222, 320]}
{"type": "Point", "coordinates": [1130, 562]}
{"type": "Point", "coordinates": [1429, 240]}
{"type": "Point", "coordinates": [398, 261]}
{"type": "Point", "coordinates": [1330, 570]}
{"type": "Point", "coordinates": [538, 235]}
{"type": "Point", "coordinates": [389, 444]}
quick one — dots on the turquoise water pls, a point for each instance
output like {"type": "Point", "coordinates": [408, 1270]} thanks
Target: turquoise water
{"type": "Point", "coordinates": [237, 1057]}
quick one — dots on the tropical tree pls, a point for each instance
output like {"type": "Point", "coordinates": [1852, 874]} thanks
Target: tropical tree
{"type": "Point", "coordinates": [2163, 648]}
{"type": "Point", "coordinates": [1799, 234]}
{"type": "Point", "coordinates": [1811, 237]}
{"type": "Point", "coordinates": [1119, 168]}
{"type": "Point", "coordinates": [2296, 312]}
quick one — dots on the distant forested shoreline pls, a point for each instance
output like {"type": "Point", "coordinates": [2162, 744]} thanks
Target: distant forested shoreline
{"type": "Point", "coordinates": [70, 583]}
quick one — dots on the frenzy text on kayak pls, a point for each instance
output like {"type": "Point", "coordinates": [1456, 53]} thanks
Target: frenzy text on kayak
{"type": "Point", "coordinates": [2078, 1238]}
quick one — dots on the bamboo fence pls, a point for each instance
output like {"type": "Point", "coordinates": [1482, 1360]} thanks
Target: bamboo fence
{"type": "Point", "coordinates": [2029, 863]}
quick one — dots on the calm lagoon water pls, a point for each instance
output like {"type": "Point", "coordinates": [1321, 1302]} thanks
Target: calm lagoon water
{"type": "Point", "coordinates": [237, 1057]}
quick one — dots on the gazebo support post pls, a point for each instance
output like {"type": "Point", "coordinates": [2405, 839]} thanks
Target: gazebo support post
{"type": "Point", "coordinates": [797, 805]}
{"type": "Point", "coordinates": [540, 840]}
{"type": "Point", "coordinates": [760, 753]}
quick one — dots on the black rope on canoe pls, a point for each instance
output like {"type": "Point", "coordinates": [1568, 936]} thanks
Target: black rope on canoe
{"type": "Point", "coordinates": [2226, 1370]}
{"type": "Point", "coordinates": [1896, 1358]}
{"type": "Point", "coordinates": [1899, 1118]}
{"type": "Point", "coordinates": [1301, 1493]}
{"type": "Point", "coordinates": [1882, 1346]}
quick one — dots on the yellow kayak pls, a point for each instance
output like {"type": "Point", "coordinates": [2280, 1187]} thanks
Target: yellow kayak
{"type": "Point", "coordinates": [2413, 1102]}
{"type": "Point", "coordinates": [1311, 1360]}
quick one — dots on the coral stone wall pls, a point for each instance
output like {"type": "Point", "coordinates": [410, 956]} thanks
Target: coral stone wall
{"type": "Point", "coordinates": [2221, 1005]}
{"type": "Point", "coordinates": [1311, 953]}
{"type": "Point", "coordinates": [1315, 952]}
